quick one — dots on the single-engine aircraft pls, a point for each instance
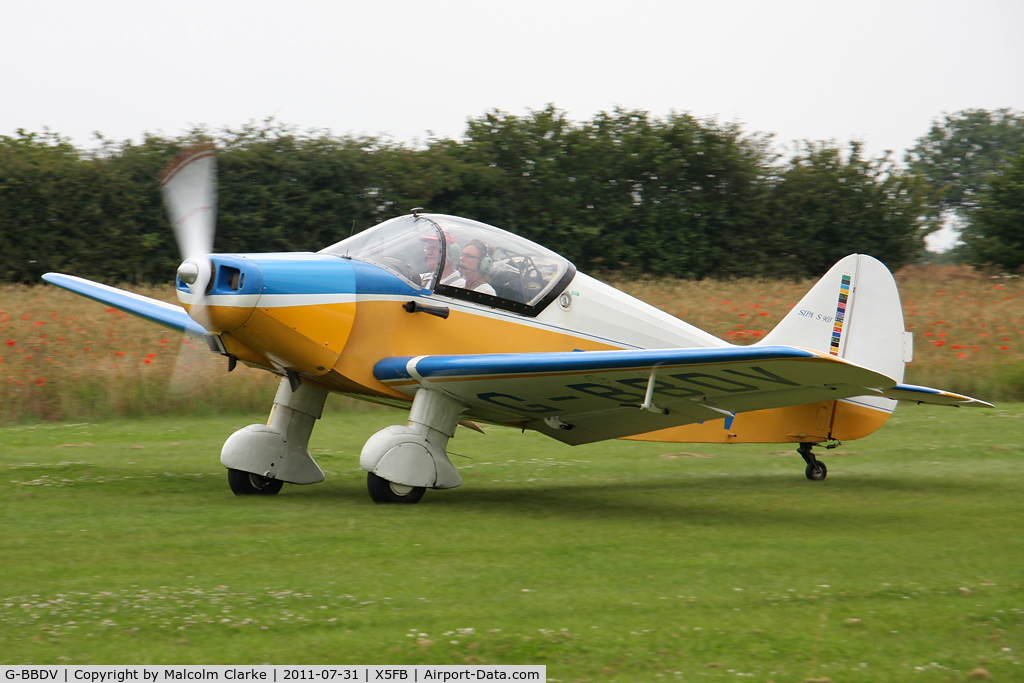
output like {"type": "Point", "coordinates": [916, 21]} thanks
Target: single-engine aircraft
{"type": "Point", "coordinates": [459, 321]}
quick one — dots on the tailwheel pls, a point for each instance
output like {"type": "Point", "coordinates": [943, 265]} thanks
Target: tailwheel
{"type": "Point", "coordinates": [249, 484]}
{"type": "Point", "coordinates": [384, 491]}
{"type": "Point", "coordinates": [816, 470]}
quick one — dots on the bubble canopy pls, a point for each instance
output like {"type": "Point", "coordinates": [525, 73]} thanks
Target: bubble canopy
{"type": "Point", "coordinates": [478, 262]}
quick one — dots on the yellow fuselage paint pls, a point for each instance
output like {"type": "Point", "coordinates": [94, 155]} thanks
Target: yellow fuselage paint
{"type": "Point", "coordinates": [810, 422]}
{"type": "Point", "coordinates": [851, 421]}
{"type": "Point", "coordinates": [383, 329]}
{"type": "Point", "coordinates": [350, 338]}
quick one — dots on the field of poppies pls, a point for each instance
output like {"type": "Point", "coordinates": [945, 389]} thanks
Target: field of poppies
{"type": "Point", "coordinates": [66, 358]}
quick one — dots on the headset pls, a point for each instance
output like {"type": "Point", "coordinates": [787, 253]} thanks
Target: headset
{"type": "Point", "coordinates": [454, 251]}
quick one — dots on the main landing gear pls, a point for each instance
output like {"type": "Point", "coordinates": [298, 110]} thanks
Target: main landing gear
{"type": "Point", "coordinates": [261, 458]}
{"type": "Point", "coordinates": [816, 470]}
{"type": "Point", "coordinates": [402, 461]}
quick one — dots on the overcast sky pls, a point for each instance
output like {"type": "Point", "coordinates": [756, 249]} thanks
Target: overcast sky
{"type": "Point", "coordinates": [878, 71]}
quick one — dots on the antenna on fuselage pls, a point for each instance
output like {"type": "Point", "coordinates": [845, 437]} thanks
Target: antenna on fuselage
{"type": "Point", "coordinates": [415, 209]}
{"type": "Point", "coordinates": [353, 231]}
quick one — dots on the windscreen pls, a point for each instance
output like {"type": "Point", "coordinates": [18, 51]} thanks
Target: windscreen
{"type": "Point", "coordinates": [402, 245]}
{"type": "Point", "coordinates": [462, 258]}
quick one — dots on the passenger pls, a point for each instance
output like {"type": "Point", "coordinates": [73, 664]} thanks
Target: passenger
{"type": "Point", "coordinates": [474, 264]}
{"type": "Point", "coordinates": [432, 254]}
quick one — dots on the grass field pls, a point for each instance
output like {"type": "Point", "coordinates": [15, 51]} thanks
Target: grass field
{"type": "Point", "coordinates": [620, 561]}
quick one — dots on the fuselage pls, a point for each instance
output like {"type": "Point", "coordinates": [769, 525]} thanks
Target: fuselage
{"type": "Point", "coordinates": [328, 318]}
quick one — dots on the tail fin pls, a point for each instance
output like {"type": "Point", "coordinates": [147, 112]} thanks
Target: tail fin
{"type": "Point", "coordinates": [853, 312]}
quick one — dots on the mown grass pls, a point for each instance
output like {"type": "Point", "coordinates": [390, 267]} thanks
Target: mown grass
{"type": "Point", "coordinates": [66, 358]}
{"type": "Point", "coordinates": [619, 561]}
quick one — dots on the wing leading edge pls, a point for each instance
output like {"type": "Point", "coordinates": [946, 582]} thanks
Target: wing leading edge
{"type": "Point", "coordinates": [579, 397]}
{"type": "Point", "coordinates": [153, 310]}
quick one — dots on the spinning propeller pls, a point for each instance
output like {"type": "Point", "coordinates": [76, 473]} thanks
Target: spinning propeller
{"type": "Point", "coordinates": [189, 187]}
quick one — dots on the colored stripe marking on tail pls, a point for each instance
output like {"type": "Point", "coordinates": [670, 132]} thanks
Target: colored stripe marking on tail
{"type": "Point", "coordinates": [837, 330]}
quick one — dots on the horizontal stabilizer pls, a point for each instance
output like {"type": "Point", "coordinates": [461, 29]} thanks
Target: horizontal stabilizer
{"type": "Point", "coordinates": [938, 397]}
{"type": "Point", "coordinates": [159, 312]}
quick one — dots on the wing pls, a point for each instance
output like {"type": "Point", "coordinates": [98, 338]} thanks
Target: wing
{"type": "Point", "coordinates": [938, 397]}
{"type": "Point", "coordinates": [580, 397]}
{"type": "Point", "coordinates": [159, 312]}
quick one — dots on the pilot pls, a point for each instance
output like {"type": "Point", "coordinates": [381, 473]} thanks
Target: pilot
{"type": "Point", "coordinates": [432, 254]}
{"type": "Point", "coordinates": [474, 264]}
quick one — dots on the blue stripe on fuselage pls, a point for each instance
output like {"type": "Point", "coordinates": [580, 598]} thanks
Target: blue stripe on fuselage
{"type": "Point", "coordinates": [309, 273]}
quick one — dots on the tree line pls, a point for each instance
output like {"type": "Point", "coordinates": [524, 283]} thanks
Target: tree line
{"type": "Point", "coordinates": [626, 191]}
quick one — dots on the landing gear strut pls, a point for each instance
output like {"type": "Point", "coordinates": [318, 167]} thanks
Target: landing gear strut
{"type": "Point", "coordinates": [816, 470]}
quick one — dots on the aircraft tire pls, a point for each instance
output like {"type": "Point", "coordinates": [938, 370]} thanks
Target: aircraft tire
{"type": "Point", "coordinates": [383, 491]}
{"type": "Point", "coordinates": [819, 475]}
{"type": "Point", "coordinates": [247, 484]}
